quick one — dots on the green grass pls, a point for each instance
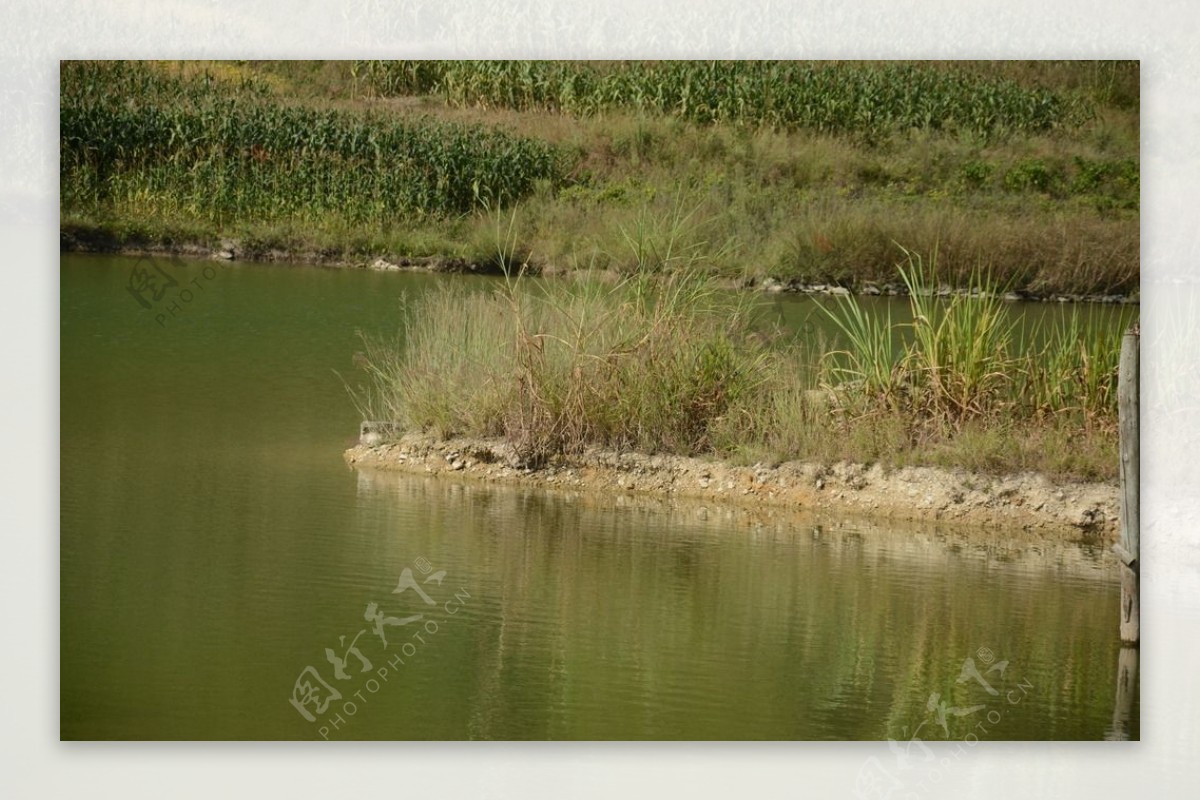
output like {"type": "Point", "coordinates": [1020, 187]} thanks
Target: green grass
{"type": "Point", "coordinates": [669, 363]}
{"type": "Point", "coordinates": [648, 365]}
{"type": "Point", "coordinates": [959, 358]}
{"type": "Point", "coordinates": [965, 357]}
{"type": "Point", "coordinates": [653, 184]}
{"type": "Point", "coordinates": [339, 161]}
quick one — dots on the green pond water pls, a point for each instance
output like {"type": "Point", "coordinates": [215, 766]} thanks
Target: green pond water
{"type": "Point", "coordinates": [214, 545]}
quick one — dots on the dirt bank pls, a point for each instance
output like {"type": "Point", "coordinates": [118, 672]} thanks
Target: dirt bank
{"type": "Point", "coordinates": [77, 239]}
{"type": "Point", "coordinates": [81, 239]}
{"type": "Point", "coordinates": [1027, 502]}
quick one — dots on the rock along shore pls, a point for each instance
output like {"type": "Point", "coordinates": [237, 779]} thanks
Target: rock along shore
{"type": "Point", "coordinates": [93, 242]}
{"type": "Point", "coordinates": [1029, 502]}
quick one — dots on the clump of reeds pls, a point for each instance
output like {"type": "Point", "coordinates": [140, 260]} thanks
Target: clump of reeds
{"type": "Point", "coordinates": [657, 362]}
{"type": "Point", "coordinates": [968, 356]}
{"type": "Point", "coordinates": [554, 367]}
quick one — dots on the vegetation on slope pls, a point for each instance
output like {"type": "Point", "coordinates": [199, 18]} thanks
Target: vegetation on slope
{"type": "Point", "coordinates": [800, 172]}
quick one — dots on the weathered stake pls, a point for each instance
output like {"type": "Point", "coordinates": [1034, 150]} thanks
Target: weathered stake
{"type": "Point", "coordinates": [1128, 549]}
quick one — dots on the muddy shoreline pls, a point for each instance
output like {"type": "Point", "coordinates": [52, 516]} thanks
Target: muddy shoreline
{"type": "Point", "coordinates": [97, 241]}
{"type": "Point", "coordinates": [1027, 504]}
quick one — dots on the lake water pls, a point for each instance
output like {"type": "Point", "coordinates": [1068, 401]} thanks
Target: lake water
{"type": "Point", "coordinates": [214, 544]}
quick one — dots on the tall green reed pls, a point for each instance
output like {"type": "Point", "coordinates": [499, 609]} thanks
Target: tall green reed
{"type": "Point", "coordinates": [968, 356]}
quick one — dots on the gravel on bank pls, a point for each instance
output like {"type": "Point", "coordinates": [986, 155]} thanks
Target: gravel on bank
{"type": "Point", "coordinates": [1029, 502]}
{"type": "Point", "coordinates": [80, 241]}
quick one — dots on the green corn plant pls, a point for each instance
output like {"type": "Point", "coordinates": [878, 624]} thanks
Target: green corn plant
{"type": "Point", "coordinates": [137, 134]}
{"type": "Point", "coordinates": [853, 99]}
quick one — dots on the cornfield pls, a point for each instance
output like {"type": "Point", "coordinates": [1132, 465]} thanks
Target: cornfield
{"type": "Point", "coordinates": [869, 100]}
{"type": "Point", "coordinates": [132, 135]}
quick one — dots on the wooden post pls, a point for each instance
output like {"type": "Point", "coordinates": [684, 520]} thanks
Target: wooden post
{"type": "Point", "coordinates": [1128, 548]}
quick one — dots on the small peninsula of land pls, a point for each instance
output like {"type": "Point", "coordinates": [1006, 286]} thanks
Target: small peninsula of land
{"type": "Point", "coordinates": [1064, 511]}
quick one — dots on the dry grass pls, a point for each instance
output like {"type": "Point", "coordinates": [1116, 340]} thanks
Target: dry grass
{"type": "Point", "coordinates": [671, 364]}
{"type": "Point", "coordinates": [648, 365]}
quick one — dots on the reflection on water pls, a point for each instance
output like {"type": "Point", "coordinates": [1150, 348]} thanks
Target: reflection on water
{"type": "Point", "coordinates": [615, 616]}
{"type": "Point", "coordinates": [220, 562]}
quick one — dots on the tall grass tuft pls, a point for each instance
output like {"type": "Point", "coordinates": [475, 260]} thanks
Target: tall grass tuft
{"type": "Point", "coordinates": [1069, 368]}
{"type": "Point", "coordinates": [869, 368]}
{"type": "Point", "coordinates": [656, 362]}
{"type": "Point", "coordinates": [963, 358]}
{"type": "Point", "coordinates": [557, 366]}
{"type": "Point", "coordinates": [959, 357]}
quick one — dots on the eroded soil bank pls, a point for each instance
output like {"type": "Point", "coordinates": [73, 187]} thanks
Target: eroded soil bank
{"type": "Point", "coordinates": [76, 239]}
{"type": "Point", "coordinates": [1025, 502]}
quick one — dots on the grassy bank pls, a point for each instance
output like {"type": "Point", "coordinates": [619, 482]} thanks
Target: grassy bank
{"type": "Point", "coordinates": [799, 172]}
{"type": "Point", "coordinates": [670, 364]}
